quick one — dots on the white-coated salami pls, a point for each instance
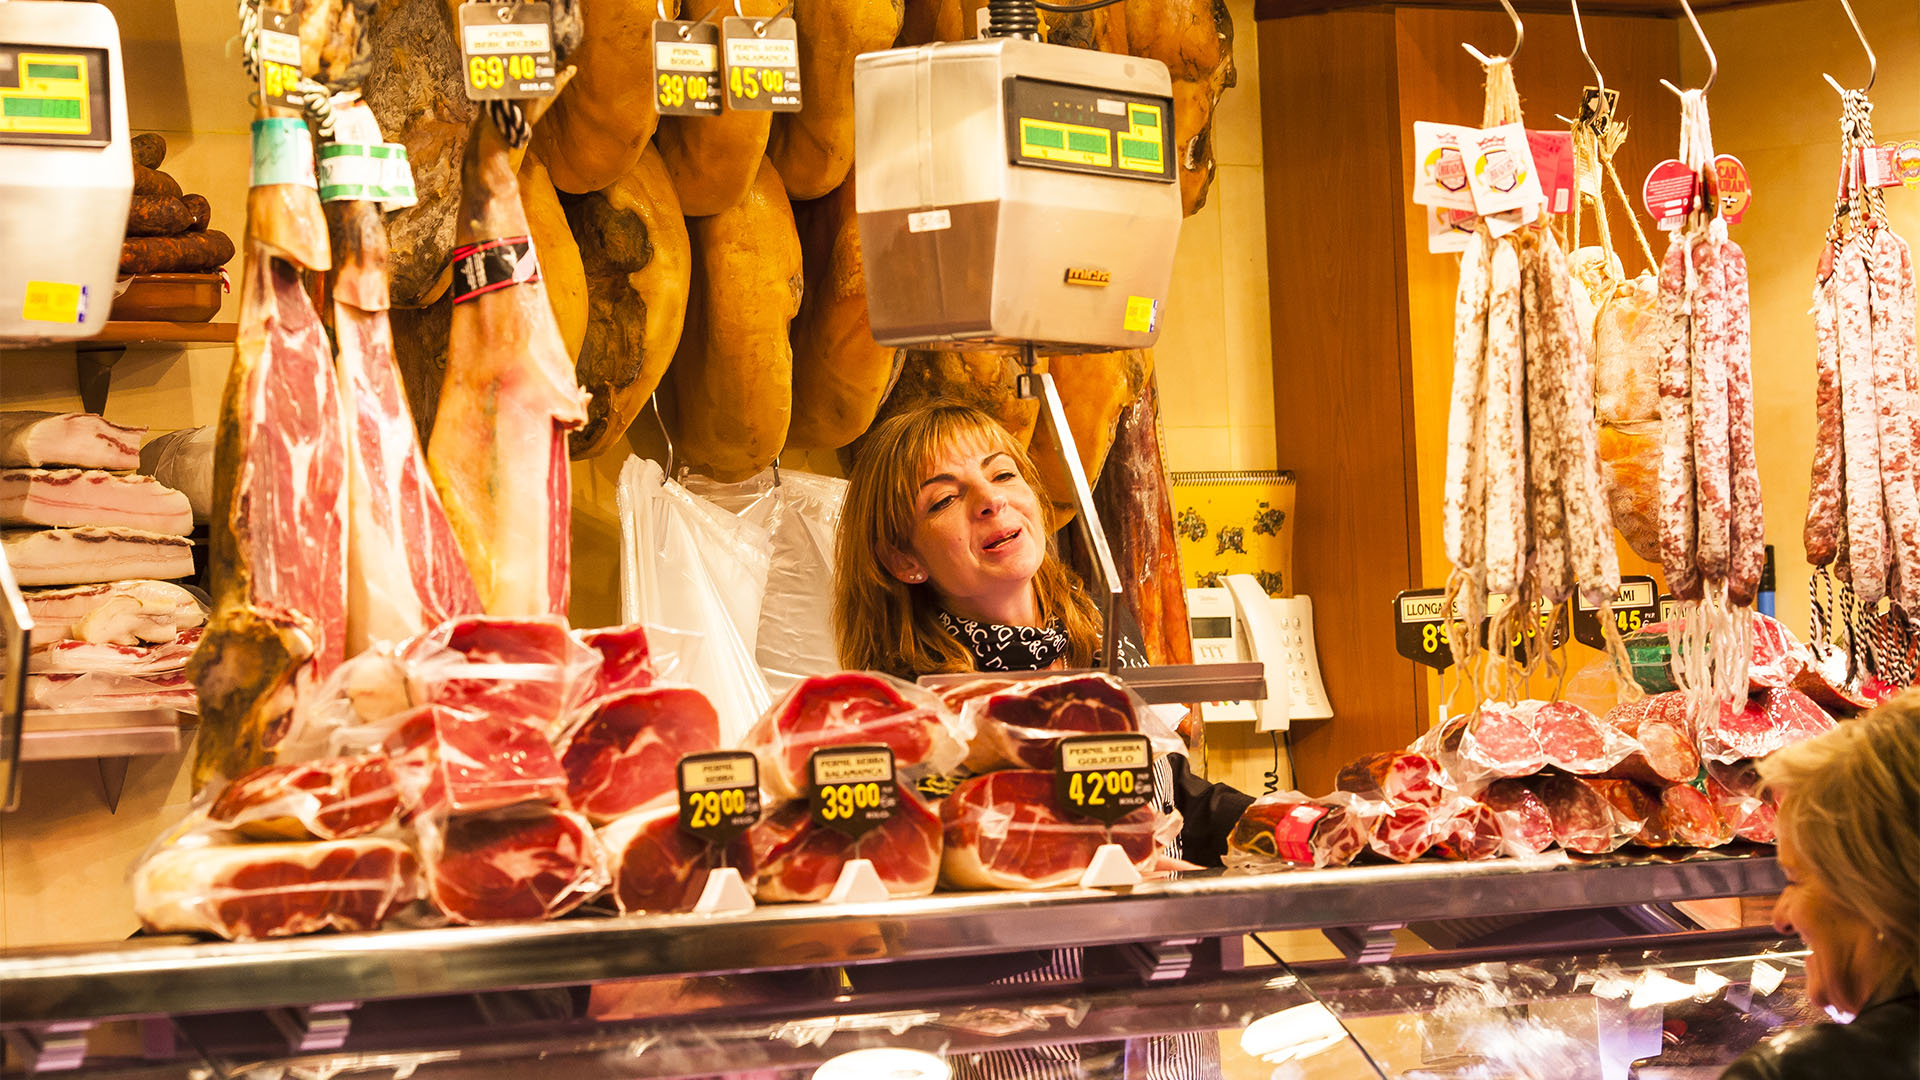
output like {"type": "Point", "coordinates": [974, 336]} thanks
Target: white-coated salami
{"type": "Point", "coordinates": [1677, 516]}
{"type": "Point", "coordinates": [1713, 504]}
{"type": "Point", "coordinates": [1822, 533]}
{"type": "Point", "coordinates": [1464, 514]}
{"type": "Point", "coordinates": [1506, 521]}
{"type": "Point", "coordinates": [1859, 425]}
{"type": "Point", "coordinates": [1748, 557]}
{"type": "Point", "coordinates": [1893, 398]}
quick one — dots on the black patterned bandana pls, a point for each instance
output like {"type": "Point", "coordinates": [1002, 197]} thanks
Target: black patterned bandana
{"type": "Point", "coordinates": [1008, 648]}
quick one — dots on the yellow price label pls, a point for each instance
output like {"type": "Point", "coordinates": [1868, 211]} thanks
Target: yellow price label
{"type": "Point", "coordinates": [710, 808]}
{"type": "Point", "coordinates": [1094, 788]}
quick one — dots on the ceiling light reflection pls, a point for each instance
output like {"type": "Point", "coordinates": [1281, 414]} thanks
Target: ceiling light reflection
{"type": "Point", "coordinates": [884, 1063]}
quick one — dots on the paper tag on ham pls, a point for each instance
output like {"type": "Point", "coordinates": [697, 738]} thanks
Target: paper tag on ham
{"type": "Point", "coordinates": [1553, 161]}
{"type": "Point", "coordinates": [1441, 179]}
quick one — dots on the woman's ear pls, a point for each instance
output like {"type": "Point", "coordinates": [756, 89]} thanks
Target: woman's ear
{"type": "Point", "coordinates": [902, 565]}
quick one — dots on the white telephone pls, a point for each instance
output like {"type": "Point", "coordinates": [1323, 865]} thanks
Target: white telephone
{"type": "Point", "coordinates": [1240, 622]}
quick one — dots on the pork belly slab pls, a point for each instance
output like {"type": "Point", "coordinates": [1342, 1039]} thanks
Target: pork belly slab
{"type": "Point", "coordinates": [80, 497]}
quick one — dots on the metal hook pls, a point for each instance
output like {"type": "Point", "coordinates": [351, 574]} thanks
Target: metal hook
{"type": "Point", "coordinates": [1580, 31]}
{"type": "Point", "coordinates": [1519, 38]}
{"type": "Point", "coordinates": [760, 25]}
{"type": "Point", "coordinates": [1873, 62]}
{"type": "Point", "coordinates": [1713, 62]}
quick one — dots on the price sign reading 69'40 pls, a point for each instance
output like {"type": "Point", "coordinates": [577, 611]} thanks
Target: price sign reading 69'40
{"type": "Point", "coordinates": [853, 788]}
{"type": "Point", "coordinates": [719, 794]}
{"type": "Point", "coordinates": [506, 50]}
{"type": "Point", "coordinates": [1104, 777]}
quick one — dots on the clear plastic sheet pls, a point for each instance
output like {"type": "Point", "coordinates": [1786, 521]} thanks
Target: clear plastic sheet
{"type": "Point", "coordinates": [625, 753]}
{"type": "Point", "coordinates": [1002, 831]}
{"type": "Point", "coordinates": [795, 859]}
{"type": "Point", "coordinates": [95, 690]}
{"type": "Point", "coordinates": [523, 862]}
{"type": "Point", "coordinates": [688, 563]}
{"type": "Point", "coordinates": [1019, 725]}
{"type": "Point", "coordinates": [324, 799]}
{"type": "Point", "coordinates": [243, 892]}
{"type": "Point", "coordinates": [449, 761]}
{"type": "Point", "coordinates": [849, 708]}
{"type": "Point", "coordinates": [1286, 829]}
{"type": "Point", "coordinates": [1766, 722]}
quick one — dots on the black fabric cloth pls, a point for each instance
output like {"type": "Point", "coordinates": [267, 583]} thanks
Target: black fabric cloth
{"type": "Point", "coordinates": [997, 647]}
{"type": "Point", "coordinates": [1882, 1043]}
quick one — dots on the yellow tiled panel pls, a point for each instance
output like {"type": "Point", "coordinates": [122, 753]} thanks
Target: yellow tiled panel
{"type": "Point", "coordinates": [1190, 357]}
{"type": "Point", "coordinates": [1194, 448]}
{"type": "Point", "coordinates": [1236, 122]}
{"type": "Point", "coordinates": [1248, 327]}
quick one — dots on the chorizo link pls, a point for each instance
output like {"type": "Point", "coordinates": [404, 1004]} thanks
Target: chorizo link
{"type": "Point", "coordinates": [149, 149]}
{"type": "Point", "coordinates": [157, 215]}
{"type": "Point", "coordinates": [1822, 533]}
{"type": "Point", "coordinates": [1859, 422]}
{"type": "Point", "coordinates": [1676, 429]}
{"type": "Point", "coordinates": [187, 253]}
{"type": "Point", "coordinates": [1749, 554]}
{"type": "Point", "coordinates": [154, 182]}
{"type": "Point", "coordinates": [202, 212]}
{"type": "Point", "coordinates": [1506, 520]}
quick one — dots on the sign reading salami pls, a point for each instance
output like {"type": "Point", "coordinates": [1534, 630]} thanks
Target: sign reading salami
{"type": "Point", "coordinates": [763, 63]}
{"type": "Point", "coordinates": [854, 790]}
{"type": "Point", "coordinates": [686, 68]}
{"type": "Point", "coordinates": [719, 794]}
{"type": "Point", "coordinates": [1104, 777]}
{"type": "Point", "coordinates": [506, 50]}
{"type": "Point", "coordinates": [1637, 604]}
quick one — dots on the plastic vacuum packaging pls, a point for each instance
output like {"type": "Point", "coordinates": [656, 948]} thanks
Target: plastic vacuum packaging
{"type": "Point", "coordinates": [795, 858]}
{"type": "Point", "coordinates": [243, 892]}
{"type": "Point", "coordinates": [527, 669]}
{"type": "Point", "coordinates": [624, 754]}
{"type": "Point", "coordinates": [1661, 735]}
{"type": "Point", "coordinates": [1524, 822]}
{"type": "Point", "coordinates": [852, 708]}
{"type": "Point", "coordinates": [1495, 741]}
{"type": "Point", "coordinates": [324, 799]}
{"type": "Point", "coordinates": [658, 867]}
{"type": "Point", "coordinates": [1768, 721]}
{"type": "Point", "coordinates": [1584, 819]}
{"type": "Point", "coordinates": [527, 861]}
{"type": "Point", "coordinates": [1019, 725]}
{"type": "Point", "coordinates": [1741, 802]}
{"type": "Point", "coordinates": [451, 761]}
{"type": "Point", "coordinates": [1287, 829]}
{"type": "Point", "coordinates": [1395, 776]}
{"type": "Point", "coordinates": [1003, 830]}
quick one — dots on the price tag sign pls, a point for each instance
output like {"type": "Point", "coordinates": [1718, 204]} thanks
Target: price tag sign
{"type": "Point", "coordinates": [1104, 777]}
{"type": "Point", "coordinates": [279, 53]}
{"type": "Point", "coordinates": [506, 50]}
{"type": "Point", "coordinates": [1671, 192]}
{"type": "Point", "coordinates": [1734, 186]}
{"type": "Point", "coordinates": [763, 63]}
{"type": "Point", "coordinates": [1669, 607]}
{"type": "Point", "coordinates": [686, 68]}
{"type": "Point", "coordinates": [719, 794]}
{"type": "Point", "coordinates": [1550, 623]}
{"type": "Point", "coordinates": [853, 788]}
{"type": "Point", "coordinates": [1637, 604]}
{"type": "Point", "coordinates": [1421, 627]}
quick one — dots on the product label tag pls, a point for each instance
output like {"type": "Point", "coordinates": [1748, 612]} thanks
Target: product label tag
{"type": "Point", "coordinates": [1671, 192]}
{"type": "Point", "coordinates": [1293, 833]}
{"type": "Point", "coordinates": [54, 302]}
{"type": "Point", "coordinates": [1906, 157]}
{"type": "Point", "coordinates": [1449, 232]}
{"type": "Point", "coordinates": [1143, 315]}
{"type": "Point", "coordinates": [492, 265]}
{"type": "Point", "coordinates": [763, 63]}
{"type": "Point", "coordinates": [1441, 177]}
{"type": "Point", "coordinates": [1637, 604]}
{"type": "Point", "coordinates": [279, 56]}
{"type": "Point", "coordinates": [282, 152]}
{"type": "Point", "coordinates": [1104, 777]}
{"type": "Point", "coordinates": [1422, 630]}
{"type": "Point", "coordinates": [1553, 159]}
{"type": "Point", "coordinates": [367, 172]}
{"type": "Point", "coordinates": [506, 50]}
{"type": "Point", "coordinates": [1500, 171]}
{"type": "Point", "coordinates": [1880, 165]}
{"type": "Point", "coordinates": [1734, 188]}
{"type": "Point", "coordinates": [854, 790]}
{"type": "Point", "coordinates": [719, 794]}
{"type": "Point", "coordinates": [686, 68]}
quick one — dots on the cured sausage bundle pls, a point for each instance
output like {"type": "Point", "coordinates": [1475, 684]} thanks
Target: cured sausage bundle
{"type": "Point", "coordinates": [1863, 513]}
{"type": "Point", "coordinates": [1711, 541]}
{"type": "Point", "coordinates": [1526, 511]}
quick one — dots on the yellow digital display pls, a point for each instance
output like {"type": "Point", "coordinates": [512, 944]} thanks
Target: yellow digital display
{"type": "Point", "coordinates": [1071, 144]}
{"type": "Point", "coordinates": [1140, 144]}
{"type": "Point", "coordinates": [51, 98]}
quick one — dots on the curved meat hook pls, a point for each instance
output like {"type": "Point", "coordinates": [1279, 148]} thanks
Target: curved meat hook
{"type": "Point", "coordinates": [1713, 62]}
{"type": "Point", "coordinates": [1519, 38]}
{"type": "Point", "coordinates": [1873, 62]}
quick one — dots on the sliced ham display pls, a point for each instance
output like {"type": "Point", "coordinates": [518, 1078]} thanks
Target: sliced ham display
{"type": "Point", "coordinates": [79, 440]}
{"type": "Point", "coordinates": [1471, 832]}
{"type": "Point", "coordinates": [795, 859]}
{"type": "Point", "coordinates": [90, 691]}
{"type": "Point", "coordinates": [87, 555]}
{"type": "Point", "coordinates": [626, 660]}
{"type": "Point", "coordinates": [250, 891]}
{"type": "Point", "coordinates": [1290, 828]}
{"type": "Point", "coordinates": [78, 657]}
{"type": "Point", "coordinates": [840, 710]}
{"type": "Point", "coordinates": [656, 865]}
{"type": "Point", "coordinates": [326, 799]}
{"type": "Point", "coordinates": [1394, 777]}
{"type": "Point", "coordinates": [139, 611]}
{"type": "Point", "coordinates": [77, 497]}
{"type": "Point", "coordinates": [1769, 720]}
{"type": "Point", "coordinates": [525, 862]}
{"type": "Point", "coordinates": [1021, 726]}
{"type": "Point", "coordinates": [1002, 831]}
{"type": "Point", "coordinates": [453, 761]}
{"type": "Point", "coordinates": [524, 669]}
{"type": "Point", "coordinates": [623, 756]}
{"type": "Point", "coordinates": [1524, 822]}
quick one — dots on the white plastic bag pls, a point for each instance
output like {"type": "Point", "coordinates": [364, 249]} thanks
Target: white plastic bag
{"type": "Point", "coordinates": [687, 563]}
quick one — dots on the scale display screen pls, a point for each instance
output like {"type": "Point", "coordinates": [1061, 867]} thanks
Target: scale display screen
{"type": "Point", "coordinates": [1053, 125]}
{"type": "Point", "coordinates": [54, 95]}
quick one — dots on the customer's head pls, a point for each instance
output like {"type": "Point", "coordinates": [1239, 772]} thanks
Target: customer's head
{"type": "Point", "coordinates": [1849, 834]}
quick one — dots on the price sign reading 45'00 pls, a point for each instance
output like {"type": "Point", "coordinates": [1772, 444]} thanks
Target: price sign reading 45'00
{"type": "Point", "coordinates": [763, 63]}
{"type": "Point", "coordinates": [853, 788]}
{"type": "Point", "coordinates": [1104, 777]}
{"type": "Point", "coordinates": [719, 794]}
{"type": "Point", "coordinates": [1637, 604]}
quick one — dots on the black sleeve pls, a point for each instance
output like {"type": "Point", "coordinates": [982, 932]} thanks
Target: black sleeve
{"type": "Point", "coordinates": [1208, 812]}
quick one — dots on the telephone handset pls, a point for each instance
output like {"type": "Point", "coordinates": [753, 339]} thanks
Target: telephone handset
{"type": "Point", "coordinates": [1279, 633]}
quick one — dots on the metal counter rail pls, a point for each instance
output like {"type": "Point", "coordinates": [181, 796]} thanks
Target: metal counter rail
{"type": "Point", "coordinates": [180, 975]}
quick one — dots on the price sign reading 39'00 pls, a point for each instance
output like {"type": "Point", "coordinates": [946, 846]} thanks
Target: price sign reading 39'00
{"type": "Point", "coordinates": [719, 794]}
{"type": "Point", "coordinates": [686, 68]}
{"type": "Point", "coordinates": [1104, 777]}
{"type": "Point", "coordinates": [853, 788]}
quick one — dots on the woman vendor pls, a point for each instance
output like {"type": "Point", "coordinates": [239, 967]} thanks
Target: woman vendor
{"type": "Point", "coordinates": [946, 564]}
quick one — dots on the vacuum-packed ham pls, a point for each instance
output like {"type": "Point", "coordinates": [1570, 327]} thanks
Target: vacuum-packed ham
{"type": "Point", "coordinates": [95, 690]}
{"type": "Point", "coordinates": [250, 891]}
{"type": "Point", "coordinates": [66, 498]}
{"type": "Point", "coordinates": [625, 753]}
{"type": "Point", "coordinates": [1524, 822]}
{"type": "Point", "coordinates": [77, 657]}
{"type": "Point", "coordinates": [1405, 831]}
{"type": "Point", "coordinates": [1020, 727]}
{"type": "Point", "coordinates": [843, 709]}
{"type": "Point", "coordinates": [1496, 740]}
{"type": "Point", "coordinates": [1292, 829]}
{"type": "Point", "coordinates": [77, 440]}
{"type": "Point", "coordinates": [656, 865]}
{"type": "Point", "coordinates": [1735, 791]}
{"type": "Point", "coordinates": [523, 862]}
{"type": "Point", "coordinates": [83, 556]}
{"type": "Point", "coordinates": [1778, 658]}
{"type": "Point", "coordinates": [1663, 750]}
{"type": "Point", "coordinates": [1395, 777]}
{"type": "Point", "coordinates": [524, 669]}
{"type": "Point", "coordinates": [795, 859]}
{"type": "Point", "coordinates": [1692, 818]}
{"type": "Point", "coordinates": [1003, 831]}
{"type": "Point", "coordinates": [1574, 740]}
{"type": "Point", "coordinates": [1760, 725]}
{"type": "Point", "coordinates": [626, 659]}
{"type": "Point", "coordinates": [1583, 818]}
{"type": "Point", "coordinates": [1638, 811]}
{"type": "Point", "coordinates": [138, 611]}
{"type": "Point", "coordinates": [1470, 832]}
{"type": "Point", "coordinates": [325, 799]}
{"type": "Point", "coordinates": [449, 761]}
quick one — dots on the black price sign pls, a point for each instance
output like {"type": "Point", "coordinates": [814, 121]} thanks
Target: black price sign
{"type": "Point", "coordinates": [763, 63]}
{"type": "Point", "coordinates": [1548, 621]}
{"type": "Point", "coordinates": [1104, 777]}
{"type": "Point", "coordinates": [279, 56]}
{"type": "Point", "coordinates": [854, 790]}
{"type": "Point", "coordinates": [1634, 606]}
{"type": "Point", "coordinates": [506, 50]}
{"type": "Point", "coordinates": [1669, 607]}
{"type": "Point", "coordinates": [719, 794]}
{"type": "Point", "coordinates": [686, 68]}
{"type": "Point", "coordinates": [1422, 627]}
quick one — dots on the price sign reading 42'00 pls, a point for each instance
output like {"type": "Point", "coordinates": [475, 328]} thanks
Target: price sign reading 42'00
{"type": "Point", "coordinates": [719, 794]}
{"type": "Point", "coordinates": [854, 789]}
{"type": "Point", "coordinates": [763, 63]}
{"type": "Point", "coordinates": [1104, 777]}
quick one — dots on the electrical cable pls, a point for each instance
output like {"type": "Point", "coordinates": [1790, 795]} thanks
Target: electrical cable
{"type": "Point", "coordinates": [1273, 774]}
{"type": "Point", "coordinates": [1069, 9]}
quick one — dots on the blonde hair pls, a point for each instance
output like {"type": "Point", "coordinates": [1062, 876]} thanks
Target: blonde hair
{"type": "Point", "coordinates": [1850, 803]}
{"type": "Point", "coordinates": [884, 624]}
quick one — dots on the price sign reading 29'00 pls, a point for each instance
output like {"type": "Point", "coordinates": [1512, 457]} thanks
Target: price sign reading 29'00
{"type": "Point", "coordinates": [719, 794]}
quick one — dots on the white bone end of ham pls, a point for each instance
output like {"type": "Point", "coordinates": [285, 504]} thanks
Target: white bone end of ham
{"type": "Point", "coordinates": [88, 555]}
{"type": "Point", "coordinates": [81, 440]}
{"type": "Point", "coordinates": [78, 657]}
{"type": "Point", "coordinates": [139, 611]}
{"type": "Point", "coordinates": [73, 497]}
{"type": "Point", "coordinates": [303, 887]}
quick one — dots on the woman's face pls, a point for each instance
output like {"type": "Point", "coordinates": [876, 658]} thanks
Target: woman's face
{"type": "Point", "coordinates": [977, 533]}
{"type": "Point", "coordinates": [1843, 964]}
